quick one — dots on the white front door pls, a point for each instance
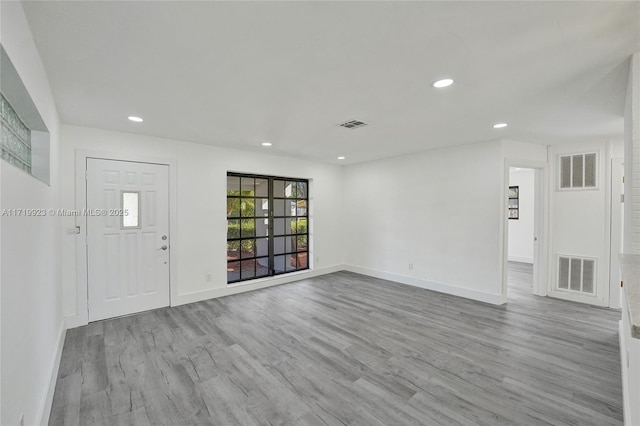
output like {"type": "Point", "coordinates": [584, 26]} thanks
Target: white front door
{"type": "Point", "coordinates": [127, 237]}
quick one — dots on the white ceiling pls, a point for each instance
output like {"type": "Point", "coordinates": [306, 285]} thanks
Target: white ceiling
{"type": "Point", "coordinates": [236, 74]}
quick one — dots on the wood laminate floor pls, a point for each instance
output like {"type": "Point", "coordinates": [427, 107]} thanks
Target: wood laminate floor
{"type": "Point", "coordinates": [344, 349]}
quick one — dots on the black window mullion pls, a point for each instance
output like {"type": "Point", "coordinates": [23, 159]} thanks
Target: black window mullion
{"type": "Point", "coordinates": [271, 228]}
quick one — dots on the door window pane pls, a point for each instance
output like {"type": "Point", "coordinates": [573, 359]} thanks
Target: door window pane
{"type": "Point", "coordinates": [279, 263]}
{"type": "Point", "coordinates": [248, 228]}
{"type": "Point", "coordinates": [233, 250]}
{"type": "Point", "coordinates": [233, 207]}
{"type": "Point", "coordinates": [301, 227]}
{"type": "Point", "coordinates": [290, 189]}
{"type": "Point", "coordinates": [130, 208]}
{"type": "Point", "coordinates": [248, 249]}
{"type": "Point", "coordinates": [278, 245]}
{"type": "Point", "coordinates": [248, 207]}
{"type": "Point", "coordinates": [278, 188]}
{"type": "Point", "coordinates": [290, 208]}
{"type": "Point", "coordinates": [261, 207]}
{"type": "Point", "coordinates": [233, 229]}
{"type": "Point", "coordinates": [301, 242]}
{"type": "Point", "coordinates": [291, 265]}
{"type": "Point", "coordinates": [262, 188]}
{"type": "Point", "coordinates": [278, 226]}
{"type": "Point", "coordinates": [301, 190]}
{"type": "Point", "coordinates": [262, 247]}
{"type": "Point", "coordinates": [302, 260]}
{"type": "Point", "coordinates": [233, 185]}
{"type": "Point", "coordinates": [278, 207]}
{"type": "Point", "coordinates": [233, 271]}
{"type": "Point", "coordinates": [248, 269]}
{"type": "Point", "coordinates": [247, 186]}
{"type": "Point", "coordinates": [262, 267]}
{"type": "Point", "coordinates": [291, 226]}
{"type": "Point", "coordinates": [262, 227]}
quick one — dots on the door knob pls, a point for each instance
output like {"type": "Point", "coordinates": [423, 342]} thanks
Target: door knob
{"type": "Point", "coordinates": [163, 247]}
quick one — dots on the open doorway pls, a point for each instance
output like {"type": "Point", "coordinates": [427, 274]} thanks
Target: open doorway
{"type": "Point", "coordinates": [520, 241]}
{"type": "Point", "coordinates": [525, 228]}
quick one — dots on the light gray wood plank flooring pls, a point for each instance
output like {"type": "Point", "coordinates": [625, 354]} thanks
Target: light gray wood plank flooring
{"type": "Point", "coordinates": [344, 349]}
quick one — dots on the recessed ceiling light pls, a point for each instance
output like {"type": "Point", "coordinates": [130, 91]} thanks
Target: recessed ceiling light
{"type": "Point", "coordinates": [445, 82]}
{"type": "Point", "coordinates": [341, 158]}
{"type": "Point", "coordinates": [266, 143]}
{"type": "Point", "coordinates": [500, 125]}
{"type": "Point", "coordinates": [136, 119]}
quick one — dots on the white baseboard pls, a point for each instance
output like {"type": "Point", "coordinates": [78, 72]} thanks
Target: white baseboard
{"type": "Point", "coordinates": [520, 259]}
{"type": "Point", "coordinates": [47, 399]}
{"type": "Point", "coordinates": [74, 321]}
{"type": "Point", "coordinates": [198, 296]}
{"type": "Point", "coordinates": [494, 299]}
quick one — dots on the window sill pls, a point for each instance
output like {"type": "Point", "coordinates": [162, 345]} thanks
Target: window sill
{"type": "Point", "coordinates": [269, 279]}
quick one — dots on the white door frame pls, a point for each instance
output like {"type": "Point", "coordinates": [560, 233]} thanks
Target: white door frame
{"type": "Point", "coordinates": [616, 235]}
{"type": "Point", "coordinates": [82, 282]}
{"type": "Point", "coordinates": [541, 225]}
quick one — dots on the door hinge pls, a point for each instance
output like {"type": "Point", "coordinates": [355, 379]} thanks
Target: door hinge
{"type": "Point", "coordinates": [621, 283]}
{"type": "Point", "coordinates": [622, 179]}
{"type": "Point", "coordinates": [86, 175]}
{"type": "Point", "coordinates": [622, 198]}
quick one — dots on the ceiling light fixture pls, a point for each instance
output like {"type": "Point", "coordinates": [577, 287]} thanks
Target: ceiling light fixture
{"type": "Point", "coordinates": [266, 143]}
{"type": "Point", "coordinates": [341, 158]}
{"type": "Point", "coordinates": [500, 125]}
{"type": "Point", "coordinates": [136, 119]}
{"type": "Point", "coordinates": [445, 82]}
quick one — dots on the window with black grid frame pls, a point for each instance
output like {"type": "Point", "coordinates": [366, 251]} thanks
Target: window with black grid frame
{"type": "Point", "coordinates": [267, 226]}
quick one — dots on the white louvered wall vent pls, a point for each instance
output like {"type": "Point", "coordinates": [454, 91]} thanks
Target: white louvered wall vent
{"type": "Point", "coordinates": [576, 274]}
{"type": "Point", "coordinates": [353, 124]}
{"type": "Point", "coordinates": [578, 171]}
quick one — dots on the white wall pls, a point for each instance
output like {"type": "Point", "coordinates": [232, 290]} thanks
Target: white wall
{"type": "Point", "coordinates": [632, 159]}
{"type": "Point", "coordinates": [32, 323]}
{"type": "Point", "coordinates": [199, 242]}
{"type": "Point", "coordinates": [520, 246]}
{"type": "Point", "coordinates": [630, 347]}
{"type": "Point", "coordinates": [439, 210]}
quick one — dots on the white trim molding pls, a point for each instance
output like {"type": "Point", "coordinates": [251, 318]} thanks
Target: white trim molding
{"type": "Point", "coordinates": [44, 410]}
{"type": "Point", "coordinates": [257, 284]}
{"type": "Point", "coordinates": [467, 293]}
{"type": "Point", "coordinates": [520, 259]}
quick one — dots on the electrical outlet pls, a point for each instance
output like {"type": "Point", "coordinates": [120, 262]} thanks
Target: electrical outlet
{"type": "Point", "coordinates": [411, 266]}
{"type": "Point", "coordinates": [207, 277]}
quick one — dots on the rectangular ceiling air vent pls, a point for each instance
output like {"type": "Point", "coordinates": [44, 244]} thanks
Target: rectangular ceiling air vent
{"type": "Point", "coordinates": [353, 124]}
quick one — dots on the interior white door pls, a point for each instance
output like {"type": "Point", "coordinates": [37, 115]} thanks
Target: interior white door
{"type": "Point", "coordinates": [127, 237]}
